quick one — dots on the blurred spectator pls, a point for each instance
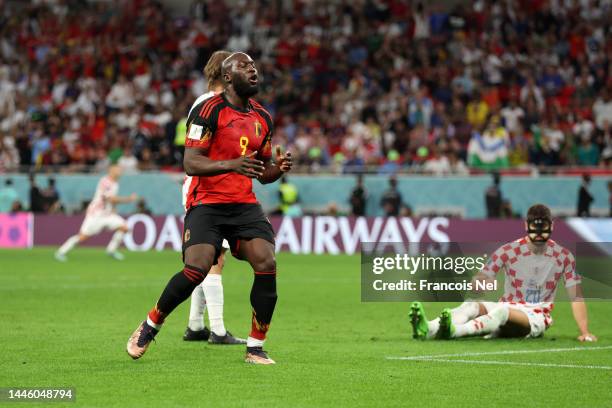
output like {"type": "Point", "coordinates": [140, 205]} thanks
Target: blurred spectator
{"type": "Point", "coordinates": [553, 139]}
{"type": "Point", "coordinates": [392, 164]}
{"type": "Point", "coordinates": [421, 23]}
{"type": "Point", "coordinates": [585, 198]}
{"type": "Point", "coordinates": [584, 128]}
{"type": "Point", "coordinates": [358, 198]}
{"type": "Point", "coordinates": [37, 201]}
{"type": "Point", "coordinates": [128, 161]}
{"type": "Point", "coordinates": [406, 211]}
{"type": "Point", "coordinates": [507, 211]}
{"type": "Point", "coordinates": [142, 208]}
{"type": "Point", "coordinates": [551, 81]}
{"type": "Point", "coordinates": [146, 160]}
{"type": "Point", "coordinates": [513, 117]}
{"type": "Point", "coordinates": [391, 201]}
{"type": "Point", "coordinates": [437, 164]}
{"type": "Point", "coordinates": [477, 111]}
{"type": "Point", "coordinates": [587, 153]}
{"type": "Point", "coordinates": [602, 109]}
{"type": "Point", "coordinates": [121, 95]}
{"type": "Point", "coordinates": [17, 207]}
{"type": "Point", "coordinates": [289, 198]}
{"type": "Point", "coordinates": [456, 164]}
{"type": "Point", "coordinates": [353, 163]}
{"type": "Point", "coordinates": [51, 198]}
{"type": "Point", "coordinates": [9, 156]}
{"type": "Point", "coordinates": [333, 210]}
{"type": "Point", "coordinates": [493, 198]}
{"type": "Point", "coordinates": [8, 197]}
{"type": "Point", "coordinates": [530, 92]}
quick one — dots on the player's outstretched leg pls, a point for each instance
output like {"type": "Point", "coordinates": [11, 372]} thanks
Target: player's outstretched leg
{"type": "Point", "coordinates": [116, 240]}
{"type": "Point", "coordinates": [67, 246]}
{"type": "Point", "coordinates": [198, 260]}
{"type": "Point", "coordinates": [260, 254]}
{"type": "Point", "coordinates": [480, 326]}
{"type": "Point", "coordinates": [420, 326]}
{"type": "Point", "coordinates": [466, 312]}
{"type": "Point", "coordinates": [459, 315]}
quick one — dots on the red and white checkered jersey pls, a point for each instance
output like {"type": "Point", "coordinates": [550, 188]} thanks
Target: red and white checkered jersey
{"type": "Point", "coordinates": [532, 278]}
{"type": "Point", "coordinates": [101, 204]}
{"type": "Point", "coordinates": [187, 180]}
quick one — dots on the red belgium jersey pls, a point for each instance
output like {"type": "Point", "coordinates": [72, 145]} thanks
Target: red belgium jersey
{"type": "Point", "coordinates": [225, 132]}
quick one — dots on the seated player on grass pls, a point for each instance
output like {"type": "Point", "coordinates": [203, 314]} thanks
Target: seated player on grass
{"type": "Point", "coordinates": [533, 266]}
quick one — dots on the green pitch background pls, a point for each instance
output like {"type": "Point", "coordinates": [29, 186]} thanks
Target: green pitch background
{"type": "Point", "coordinates": [66, 325]}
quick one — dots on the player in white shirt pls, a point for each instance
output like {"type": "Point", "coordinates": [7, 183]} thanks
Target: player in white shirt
{"type": "Point", "coordinates": [533, 267]}
{"type": "Point", "coordinates": [209, 294]}
{"type": "Point", "coordinates": [101, 215]}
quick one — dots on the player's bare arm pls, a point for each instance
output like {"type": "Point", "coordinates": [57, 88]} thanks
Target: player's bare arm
{"type": "Point", "coordinates": [196, 163]}
{"type": "Point", "coordinates": [579, 310]}
{"type": "Point", "coordinates": [275, 171]}
{"type": "Point", "coordinates": [123, 200]}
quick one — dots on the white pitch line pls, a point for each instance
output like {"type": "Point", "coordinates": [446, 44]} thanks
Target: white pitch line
{"type": "Point", "coordinates": [516, 363]}
{"type": "Point", "coordinates": [504, 352]}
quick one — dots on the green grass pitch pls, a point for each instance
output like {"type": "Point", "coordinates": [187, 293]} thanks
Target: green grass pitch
{"type": "Point", "coordinates": [66, 325]}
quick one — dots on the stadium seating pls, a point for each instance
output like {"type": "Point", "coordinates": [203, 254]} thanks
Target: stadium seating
{"type": "Point", "coordinates": [492, 85]}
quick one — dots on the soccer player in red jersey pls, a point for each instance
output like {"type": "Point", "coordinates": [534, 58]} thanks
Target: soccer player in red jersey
{"type": "Point", "coordinates": [533, 267]}
{"type": "Point", "coordinates": [209, 294]}
{"type": "Point", "coordinates": [228, 144]}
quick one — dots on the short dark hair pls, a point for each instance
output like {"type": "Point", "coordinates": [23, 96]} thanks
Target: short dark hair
{"type": "Point", "coordinates": [539, 211]}
{"type": "Point", "coordinates": [212, 70]}
{"type": "Point", "coordinates": [8, 182]}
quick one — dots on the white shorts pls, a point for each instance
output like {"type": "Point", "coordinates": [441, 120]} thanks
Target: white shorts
{"type": "Point", "coordinates": [225, 244]}
{"type": "Point", "coordinates": [538, 320]}
{"type": "Point", "coordinates": [94, 224]}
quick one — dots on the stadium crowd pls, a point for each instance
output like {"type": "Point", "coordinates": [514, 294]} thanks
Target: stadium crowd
{"type": "Point", "coordinates": [391, 84]}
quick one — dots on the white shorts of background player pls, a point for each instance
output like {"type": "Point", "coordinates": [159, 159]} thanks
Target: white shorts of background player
{"type": "Point", "coordinates": [94, 224]}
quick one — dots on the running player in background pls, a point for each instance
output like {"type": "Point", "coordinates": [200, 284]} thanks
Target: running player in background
{"type": "Point", "coordinates": [228, 144]}
{"type": "Point", "coordinates": [101, 215]}
{"type": "Point", "coordinates": [533, 266]}
{"type": "Point", "coordinates": [210, 292]}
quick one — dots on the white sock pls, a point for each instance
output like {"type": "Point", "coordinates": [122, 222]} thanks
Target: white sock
{"type": "Point", "coordinates": [196, 312]}
{"type": "Point", "coordinates": [434, 326]}
{"type": "Point", "coordinates": [253, 342]}
{"type": "Point", "coordinates": [465, 312]}
{"type": "Point", "coordinates": [153, 325]}
{"type": "Point", "coordinates": [461, 314]}
{"type": "Point", "coordinates": [213, 290]}
{"type": "Point", "coordinates": [115, 241]}
{"type": "Point", "coordinates": [484, 324]}
{"type": "Point", "coordinates": [68, 245]}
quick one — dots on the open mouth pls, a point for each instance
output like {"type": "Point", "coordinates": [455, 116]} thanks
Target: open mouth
{"type": "Point", "coordinates": [253, 80]}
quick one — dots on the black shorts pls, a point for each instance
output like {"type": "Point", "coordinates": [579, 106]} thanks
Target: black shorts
{"type": "Point", "coordinates": [211, 223]}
